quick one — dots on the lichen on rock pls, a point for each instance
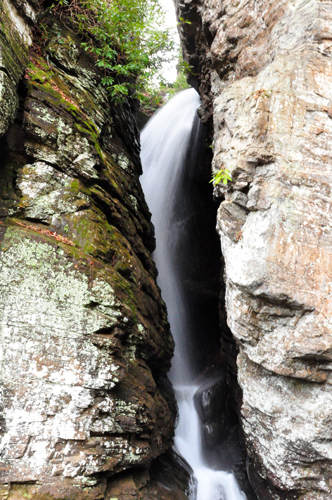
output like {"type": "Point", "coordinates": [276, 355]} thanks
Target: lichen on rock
{"type": "Point", "coordinates": [83, 329]}
{"type": "Point", "coordinates": [15, 40]}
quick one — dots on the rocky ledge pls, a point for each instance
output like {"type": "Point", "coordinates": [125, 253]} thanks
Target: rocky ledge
{"type": "Point", "coordinates": [85, 342]}
{"type": "Point", "coordinates": [264, 71]}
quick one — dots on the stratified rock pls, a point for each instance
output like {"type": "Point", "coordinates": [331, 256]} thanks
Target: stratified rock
{"type": "Point", "coordinates": [168, 480]}
{"type": "Point", "coordinates": [270, 92]}
{"type": "Point", "coordinates": [15, 40]}
{"type": "Point", "coordinates": [84, 334]}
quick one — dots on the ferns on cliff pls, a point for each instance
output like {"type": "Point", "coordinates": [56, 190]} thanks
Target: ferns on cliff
{"type": "Point", "coordinates": [126, 37]}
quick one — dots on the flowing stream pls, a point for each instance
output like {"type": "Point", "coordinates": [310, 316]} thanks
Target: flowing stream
{"type": "Point", "coordinates": [165, 143]}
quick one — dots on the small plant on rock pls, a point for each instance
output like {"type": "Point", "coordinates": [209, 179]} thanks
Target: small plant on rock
{"type": "Point", "coordinates": [221, 175]}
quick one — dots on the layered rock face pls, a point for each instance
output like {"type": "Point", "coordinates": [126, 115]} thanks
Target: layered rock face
{"type": "Point", "coordinates": [85, 341]}
{"type": "Point", "coordinates": [265, 73]}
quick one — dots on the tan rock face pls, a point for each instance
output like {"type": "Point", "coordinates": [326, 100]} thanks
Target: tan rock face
{"type": "Point", "coordinates": [271, 93]}
{"type": "Point", "coordinates": [84, 334]}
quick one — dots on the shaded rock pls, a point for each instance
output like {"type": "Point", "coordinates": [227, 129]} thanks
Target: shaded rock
{"type": "Point", "coordinates": [211, 401]}
{"type": "Point", "coordinates": [222, 439]}
{"type": "Point", "coordinates": [83, 329]}
{"type": "Point", "coordinates": [171, 473]}
{"type": "Point", "coordinates": [232, 218]}
{"type": "Point", "coordinates": [168, 480]}
{"type": "Point", "coordinates": [15, 40]}
{"type": "Point", "coordinates": [142, 119]}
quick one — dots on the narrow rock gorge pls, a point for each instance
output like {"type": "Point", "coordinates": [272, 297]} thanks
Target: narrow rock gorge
{"type": "Point", "coordinates": [264, 73]}
{"type": "Point", "coordinates": [86, 408]}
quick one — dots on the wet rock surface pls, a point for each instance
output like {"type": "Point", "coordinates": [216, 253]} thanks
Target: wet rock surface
{"type": "Point", "coordinates": [213, 407]}
{"type": "Point", "coordinates": [264, 70]}
{"type": "Point", "coordinates": [222, 440]}
{"type": "Point", "coordinates": [84, 333]}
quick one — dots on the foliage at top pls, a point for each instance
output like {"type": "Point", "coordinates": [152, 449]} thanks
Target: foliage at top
{"type": "Point", "coordinates": [126, 37]}
{"type": "Point", "coordinates": [156, 94]}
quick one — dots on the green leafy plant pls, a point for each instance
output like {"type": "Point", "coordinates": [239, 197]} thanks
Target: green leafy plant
{"type": "Point", "coordinates": [183, 21]}
{"type": "Point", "coordinates": [155, 95]}
{"type": "Point", "coordinates": [221, 175]}
{"type": "Point", "coordinates": [126, 37]}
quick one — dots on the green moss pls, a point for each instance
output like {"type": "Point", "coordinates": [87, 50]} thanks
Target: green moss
{"type": "Point", "coordinates": [48, 80]}
{"type": "Point", "coordinates": [20, 491]}
{"type": "Point", "coordinates": [95, 236]}
{"type": "Point", "coordinates": [14, 53]}
{"type": "Point", "coordinates": [89, 130]}
{"type": "Point", "coordinates": [129, 300]}
{"type": "Point", "coordinates": [38, 73]}
{"type": "Point", "coordinates": [76, 259]}
{"type": "Point", "coordinates": [90, 233]}
{"type": "Point", "coordinates": [75, 186]}
{"type": "Point", "coordinates": [41, 77]}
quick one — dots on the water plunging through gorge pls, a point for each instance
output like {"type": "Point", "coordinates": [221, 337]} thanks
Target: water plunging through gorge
{"type": "Point", "coordinates": [169, 137]}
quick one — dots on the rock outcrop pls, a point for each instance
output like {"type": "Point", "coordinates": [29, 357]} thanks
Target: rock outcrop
{"type": "Point", "coordinates": [85, 342]}
{"type": "Point", "coordinates": [264, 71]}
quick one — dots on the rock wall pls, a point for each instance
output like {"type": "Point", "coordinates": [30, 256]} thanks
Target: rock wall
{"type": "Point", "coordinates": [264, 71]}
{"type": "Point", "coordinates": [85, 342]}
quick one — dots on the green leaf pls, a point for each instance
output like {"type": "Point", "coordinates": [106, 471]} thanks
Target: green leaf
{"type": "Point", "coordinates": [221, 175]}
{"type": "Point", "coordinates": [127, 38]}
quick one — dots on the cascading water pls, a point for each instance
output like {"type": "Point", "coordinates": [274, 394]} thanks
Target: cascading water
{"type": "Point", "coordinates": [165, 142]}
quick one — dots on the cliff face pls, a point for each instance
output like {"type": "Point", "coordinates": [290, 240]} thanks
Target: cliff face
{"type": "Point", "coordinates": [264, 71]}
{"type": "Point", "coordinates": [85, 341]}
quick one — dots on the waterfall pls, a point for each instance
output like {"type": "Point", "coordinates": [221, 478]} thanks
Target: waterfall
{"type": "Point", "coordinates": [165, 143]}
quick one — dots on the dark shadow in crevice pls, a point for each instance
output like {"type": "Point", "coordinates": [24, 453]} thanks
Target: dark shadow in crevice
{"type": "Point", "coordinates": [200, 266]}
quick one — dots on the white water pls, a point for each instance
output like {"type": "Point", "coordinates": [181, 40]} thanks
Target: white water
{"type": "Point", "coordinates": [165, 142]}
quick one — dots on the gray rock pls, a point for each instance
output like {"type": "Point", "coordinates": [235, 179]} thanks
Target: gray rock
{"type": "Point", "coordinates": [239, 198]}
{"type": "Point", "coordinates": [84, 333]}
{"type": "Point", "coordinates": [15, 41]}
